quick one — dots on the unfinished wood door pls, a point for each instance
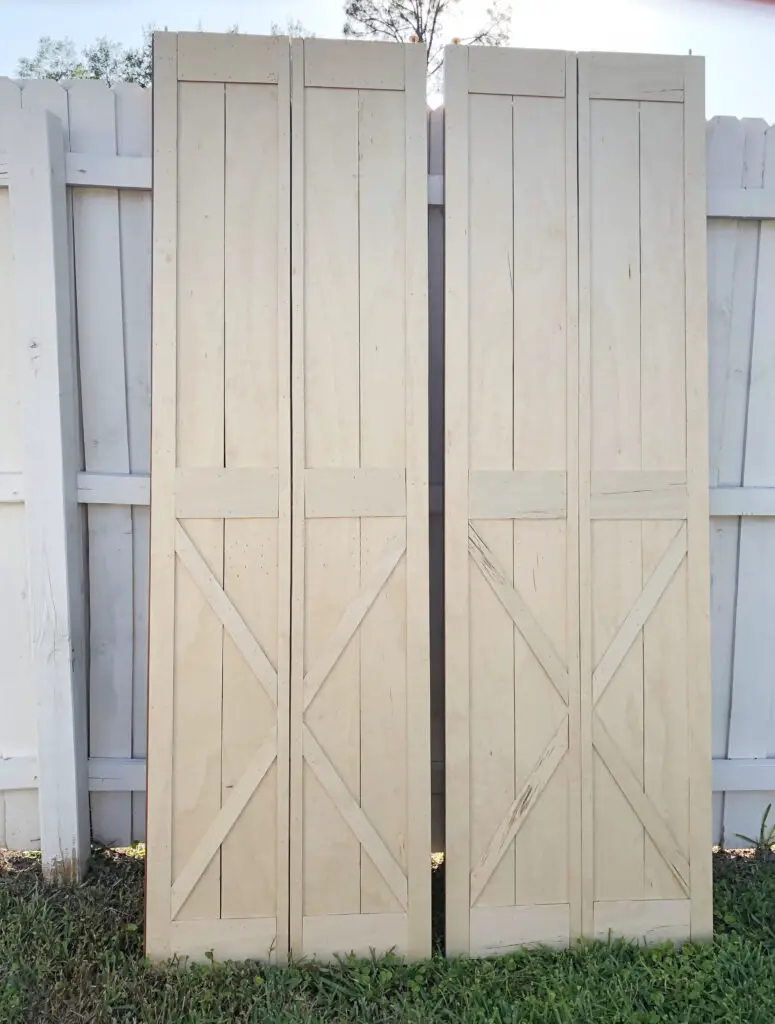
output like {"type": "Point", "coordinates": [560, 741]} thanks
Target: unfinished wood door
{"type": "Point", "coordinates": [511, 525]}
{"type": "Point", "coordinates": [218, 760]}
{"type": "Point", "coordinates": [644, 498]}
{"type": "Point", "coordinates": [360, 756]}
{"type": "Point", "coordinates": [577, 592]}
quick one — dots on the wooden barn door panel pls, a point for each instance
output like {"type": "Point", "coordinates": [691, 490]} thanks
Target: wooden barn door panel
{"type": "Point", "coordinates": [220, 558]}
{"type": "Point", "coordinates": [360, 769]}
{"type": "Point", "coordinates": [643, 498]}
{"type": "Point", "coordinates": [577, 701]}
{"type": "Point", "coordinates": [512, 726]}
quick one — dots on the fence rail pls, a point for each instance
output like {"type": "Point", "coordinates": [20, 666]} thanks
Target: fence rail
{"type": "Point", "coordinates": [104, 195]}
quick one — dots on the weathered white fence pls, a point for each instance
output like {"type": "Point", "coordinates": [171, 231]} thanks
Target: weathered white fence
{"type": "Point", "coordinates": [75, 254]}
{"type": "Point", "coordinates": [741, 295]}
{"type": "Point", "coordinates": [101, 273]}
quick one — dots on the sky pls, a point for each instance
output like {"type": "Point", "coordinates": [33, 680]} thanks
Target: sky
{"type": "Point", "coordinates": [737, 37]}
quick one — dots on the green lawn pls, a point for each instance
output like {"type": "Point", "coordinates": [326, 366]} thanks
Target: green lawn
{"type": "Point", "coordinates": [75, 957]}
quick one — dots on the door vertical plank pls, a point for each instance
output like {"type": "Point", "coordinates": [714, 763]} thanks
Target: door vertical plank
{"type": "Point", "coordinates": [617, 575]}
{"type": "Point", "coordinates": [161, 645]}
{"type": "Point", "coordinates": [284, 504]}
{"type": "Point", "coordinates": [695, 255]}
{"type": "Point", "coordinates": [383, 254]}
{"type": "Point", "coordinates": [200, 442]}
{"type": "Point", "coordinates": [491, 385]}
{"type": "Point", "coordinates": [251, 562]}
{"type": "Point", "coordinates": [298, 529]}
{"type": "Point", "coordinates": [539, 430]}
{"type": "Point", "coordinates": [332, 855]}
{"type": "Point", "coordinates": [572, 521]}
{"type": "Point", "coordinates": [587, 809]}
{"type": "Point", "coordinates": [133, 138]}
{"type": "Point", "coordinates": [663, 424]}
{"type": "Point", "coordinates": [99, 308]}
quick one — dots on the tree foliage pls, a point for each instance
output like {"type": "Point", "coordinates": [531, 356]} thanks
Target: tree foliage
{"type": "Point", "coordinates": [104, 59]}
{"type": "Point", "coordinates": [292, 27]}
{"type": "Point", "coordinates": [110, 61]}
{"type": "Point", "coordinates": [424, 21]}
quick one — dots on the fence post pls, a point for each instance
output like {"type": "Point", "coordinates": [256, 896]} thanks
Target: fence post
{"type": "Point", "coordinates": [41, 263]}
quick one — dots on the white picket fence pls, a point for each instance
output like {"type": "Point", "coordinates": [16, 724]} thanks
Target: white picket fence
{"type": "Point", "coordinates": [79, 305]}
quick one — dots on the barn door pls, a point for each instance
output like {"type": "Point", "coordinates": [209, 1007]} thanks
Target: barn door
{"type": "Point", "coordinates": [512, 675]}
{"type": "Point", "coordinates": [577, 596]}
{"type": "Point", "coordinates": [643, 498]}
{"type": "Point", "coordinates": [360, 759]}
{"type": "Point", "coordinates": [220, 555]}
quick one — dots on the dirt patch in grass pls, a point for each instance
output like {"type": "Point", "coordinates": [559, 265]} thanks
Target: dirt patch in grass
{"type": "Point", "coordinates": [74, 956]}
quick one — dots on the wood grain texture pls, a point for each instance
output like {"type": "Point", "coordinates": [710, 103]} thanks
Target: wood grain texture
{"type": "Point", "coordinates": [646, 921]}
{"type": "Point", "coordinates": [232, 58]}
{"type": "Point", "coordinates": [347, 64]}
{"type": "Point", "coordinates": [495, 494]}
{"type": "Point", "coordinates": [360, 934]}
{"type": "Point", "coordinates": [202, 941]}
{"type": "Point", "coordinates": [223, 823]}
{"type": "Point", "coordinates": [242, 492]}
{"type": "Point", "coordinates": [496, 931]}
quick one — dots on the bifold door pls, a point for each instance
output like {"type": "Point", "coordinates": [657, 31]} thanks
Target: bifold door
{"type": "Point", "coordinates": [577, 694]}
{"type": "Point", "coordinates": [643, 498]}
{"type": "Point", "coordinates": [271, 827]}
{"type": "Point", "coordinates": [511, 530]}
{"type": "Point", "coordinates": [360, 722]}
{"type": "Point", "coordinates": [220, 496]}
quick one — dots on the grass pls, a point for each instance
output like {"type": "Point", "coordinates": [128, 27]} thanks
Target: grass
{"type": "Point", "coordinates": [74, 956]}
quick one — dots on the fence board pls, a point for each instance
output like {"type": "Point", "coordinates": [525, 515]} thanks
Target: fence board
{"type": "Point", "coordinates": [752, 719]}
{"type": "Point", "coordinates": [99, 305]}
{"type": "Point", "coordinates": [133, 138]}
{"type": "Point", "coordinates": [18, 737]}
{"type": "Point", "coordinates": [44, 327]}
